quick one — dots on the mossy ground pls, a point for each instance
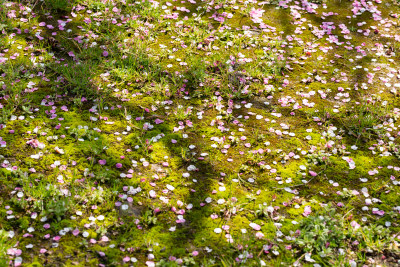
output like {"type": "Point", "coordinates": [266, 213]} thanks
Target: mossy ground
{"type": "Point", "coordinates": [199, 133]}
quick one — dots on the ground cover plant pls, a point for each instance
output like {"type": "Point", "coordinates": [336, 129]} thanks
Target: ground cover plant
{"type": "Point", "coordinates": [199, 133]}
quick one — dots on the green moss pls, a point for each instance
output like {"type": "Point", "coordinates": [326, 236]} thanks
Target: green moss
{"type": "Point", "coordinates": [24, 222]}
{"type": "Point", "coordinates": [239, 222]}
{"type": "Point", "coordinates": [290, 170]}
{"type": "Point", "coordinates": [137, 63]}
{"type": "Point", "coordinates": [35, 263]}
{"type": "Point", "coordinates": [159, 152]}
